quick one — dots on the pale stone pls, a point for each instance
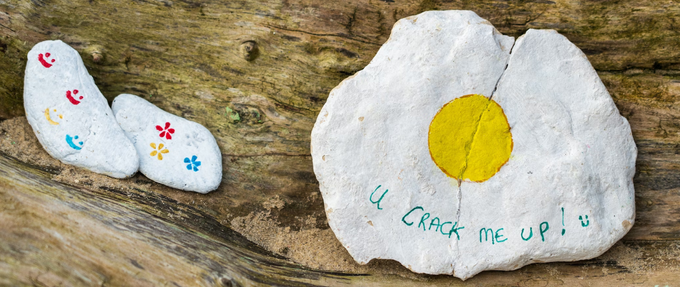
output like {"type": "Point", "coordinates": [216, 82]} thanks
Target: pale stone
{"type": "Point", "coordinates": [172, 150]}
{"type": "Point", "coordinates": [70, 117]}
{"type": "Point", "coordinates": [568, 180]}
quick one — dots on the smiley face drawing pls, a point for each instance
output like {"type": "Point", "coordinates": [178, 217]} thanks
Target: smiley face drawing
{"type": "Point", "coordinates": [71, 97]}
{"type": "Point", "coordinates": [43, 60]}
{"type": "Point", "coordinates": [49, 119]}
{"type": "Point", "coordinates": [69, 141]}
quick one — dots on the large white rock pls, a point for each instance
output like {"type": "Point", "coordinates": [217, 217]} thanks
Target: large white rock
{"type": "Point", "coordinates": [172, 150]}
{"type": "Point", "coordinates": [565, 194]}
{"type": "Point", "coordinates": [70, 117]}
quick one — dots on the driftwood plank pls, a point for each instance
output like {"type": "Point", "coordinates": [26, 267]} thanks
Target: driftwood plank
{"type": "Point", "coordinates": [54, 234]}
{"type": "Point", "coordinates": [256, 73]}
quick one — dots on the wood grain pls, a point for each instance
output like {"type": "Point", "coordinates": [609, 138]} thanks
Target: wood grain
{"type": "Point", "coordinates": [273, 63]}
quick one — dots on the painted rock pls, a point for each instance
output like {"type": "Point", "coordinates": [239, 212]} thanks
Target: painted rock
{"type": "Point", "coordinates": [457, 150]}
{"type": "Point", "coordinates": [70, 117]}
{"type": "Point", "coordinates": [172, 150]}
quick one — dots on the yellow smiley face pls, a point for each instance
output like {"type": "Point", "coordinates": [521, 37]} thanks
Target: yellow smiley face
{"type": "Point", "coordinates": [49, 118]}
{"type": "Point", "coordinates": [470, 139]}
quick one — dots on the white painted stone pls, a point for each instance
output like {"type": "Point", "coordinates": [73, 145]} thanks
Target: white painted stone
{"type": "Point", "coordinates": [572, 151]}
{"type": "Point", "coordinates": [189, 158]}
{"type": "Point", "coordinates": [70, 117]}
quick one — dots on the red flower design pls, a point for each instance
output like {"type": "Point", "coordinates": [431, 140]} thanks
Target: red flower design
{"type": "Point", "coordinates": [165, 132]}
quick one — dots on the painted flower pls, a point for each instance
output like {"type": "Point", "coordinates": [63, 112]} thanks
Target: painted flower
{"type": "Point", "coordinates": [166, 132]}
{"type": "Point", "coordinates": [192, 163]}
{"type": "Point", "coordinates": [158, 151]}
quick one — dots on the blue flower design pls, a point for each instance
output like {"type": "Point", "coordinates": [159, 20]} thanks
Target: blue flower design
{"type": "Point", "coordinates": [193, 163]}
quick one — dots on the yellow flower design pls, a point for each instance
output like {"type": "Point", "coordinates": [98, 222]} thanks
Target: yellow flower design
{"type": "Point", "coordinates": [158, 151]}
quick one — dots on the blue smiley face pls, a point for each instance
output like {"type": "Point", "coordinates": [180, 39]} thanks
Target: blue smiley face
{"type": "Point", "coordinates": [70, 142]}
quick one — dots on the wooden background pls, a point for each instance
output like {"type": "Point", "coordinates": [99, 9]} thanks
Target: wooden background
{"type": "Point", "coordinates": [256, 73]}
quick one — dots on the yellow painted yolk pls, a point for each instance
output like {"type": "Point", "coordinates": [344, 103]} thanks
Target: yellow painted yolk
{"type": "Point", "coordinates": [470, 139]}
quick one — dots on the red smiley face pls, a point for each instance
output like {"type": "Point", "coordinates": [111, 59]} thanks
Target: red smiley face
{"type": "Point", "coordinates": [71, 97]}
{"type": "Point", "coordinates": [43, 60]}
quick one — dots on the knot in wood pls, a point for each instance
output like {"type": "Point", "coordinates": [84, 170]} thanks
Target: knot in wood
{"type": "Point", "coordinates": [97, 56]}
{"type": "Point", "coordinates": [96, 52]}
{"type": "Point", "coordinates": [249, 50]}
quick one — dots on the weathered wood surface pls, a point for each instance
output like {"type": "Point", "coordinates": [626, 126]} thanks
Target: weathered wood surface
{"type": "Point", "coordinates": [55, 234]}
{"type": "Point", "coordinates": [256, 74]}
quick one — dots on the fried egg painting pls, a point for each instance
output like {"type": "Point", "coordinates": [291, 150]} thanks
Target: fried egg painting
{"type": "Point", "coordinates": [459, 150]}
{"type": "Point", "coordinates": [478, 145]}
